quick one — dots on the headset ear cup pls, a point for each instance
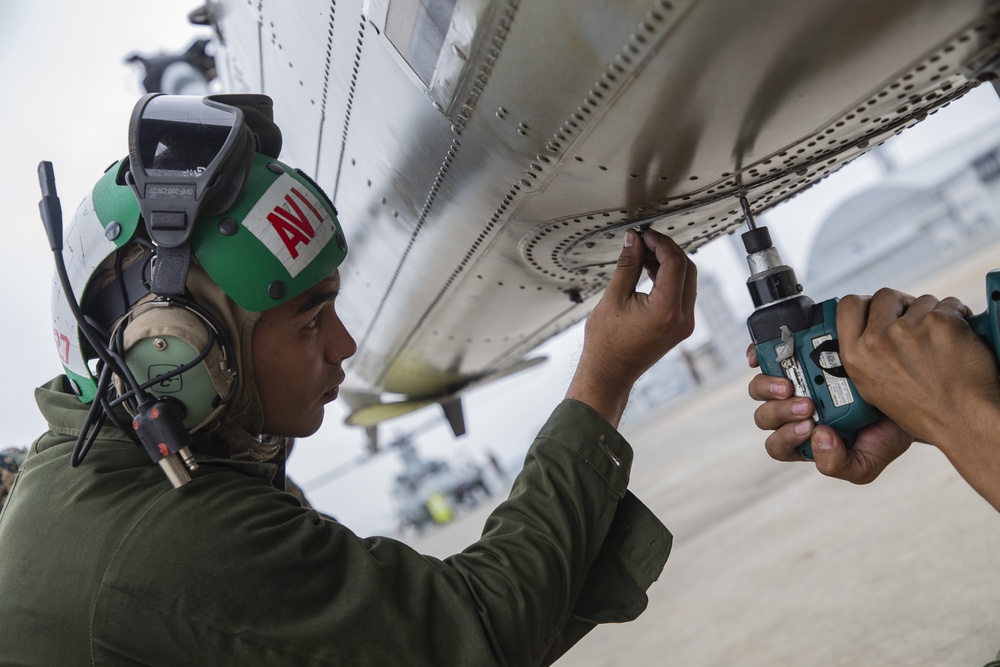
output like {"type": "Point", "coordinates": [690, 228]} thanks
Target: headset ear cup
{"type": "Point", "coordinates": [160, 340]}
{"type": "Point", "coordinates": [161, 357]}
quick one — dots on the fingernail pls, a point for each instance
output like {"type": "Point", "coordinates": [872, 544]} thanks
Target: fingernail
{"type": "Point", "coordinates": [629, 238]}
{"type": "Point", "coordinates": [800, 408]}
{"type": "Point", "coordinates": [803, 427]}
{"type": "Point", "coordinates": [778, 389]}
{"type": "Point", "coordinates": [822, 440]}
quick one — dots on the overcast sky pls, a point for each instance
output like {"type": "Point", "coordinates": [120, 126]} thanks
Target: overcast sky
{"type": "Point", "coordinates": [67, 96]}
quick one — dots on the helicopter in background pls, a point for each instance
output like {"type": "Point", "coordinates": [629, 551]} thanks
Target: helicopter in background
{"type": "Point", "coordinates": [432, 491]}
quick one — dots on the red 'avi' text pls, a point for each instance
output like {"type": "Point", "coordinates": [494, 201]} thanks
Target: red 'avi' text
{"type": "Point", "coordinates": [292, 224]}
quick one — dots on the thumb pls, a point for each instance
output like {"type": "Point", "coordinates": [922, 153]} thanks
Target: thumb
{"type": "Point", "coordinates": [833, 459]}
{"type": "Point", "coordinates": [829, 452]}
{"type": "Point", "coordinates": [629, 269]}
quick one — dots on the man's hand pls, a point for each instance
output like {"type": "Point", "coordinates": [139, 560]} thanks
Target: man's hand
{"type": "Point", "coordinates": [790, 419]}
{"type": "Point", "coordinates": [629, 331]}
{"type": "Point", "coordinates": [917, 360]}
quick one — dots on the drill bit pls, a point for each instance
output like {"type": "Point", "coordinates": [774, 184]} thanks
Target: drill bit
{"type": "Point", "coordinates": [747, 213]}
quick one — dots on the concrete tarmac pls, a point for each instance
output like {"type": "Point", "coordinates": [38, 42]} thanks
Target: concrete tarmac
{"type": "Point", "coordinates": [774, 564]}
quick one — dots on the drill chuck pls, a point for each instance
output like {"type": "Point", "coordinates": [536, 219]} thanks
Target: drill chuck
{"type": "Point", "coordinates": [756, 240]}
{"type": "Point", "coordinates": [773, 285]}
{"type": "Point", "coordinates": [769, 280]}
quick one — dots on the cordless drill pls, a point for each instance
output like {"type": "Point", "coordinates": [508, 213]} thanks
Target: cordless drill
{"type": "Point", "coordinates": [796, 338]}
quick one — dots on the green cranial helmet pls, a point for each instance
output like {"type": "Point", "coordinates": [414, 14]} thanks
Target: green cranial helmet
{"type": "Point", "coordinates": [262, 231]}
{"type": "Point", "coordinates": [279, 239]}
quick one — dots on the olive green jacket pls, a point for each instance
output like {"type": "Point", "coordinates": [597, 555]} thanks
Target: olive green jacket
{"type": "Point", "coordinates": [107, 564]}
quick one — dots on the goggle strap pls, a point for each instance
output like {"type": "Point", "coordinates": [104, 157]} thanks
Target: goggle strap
{"type": "Point", "coordinates": [258, 115]}
{"type": "Point", "coordinates": [170, 269]}
{"type": "Point", "coordinates": [106, 306]}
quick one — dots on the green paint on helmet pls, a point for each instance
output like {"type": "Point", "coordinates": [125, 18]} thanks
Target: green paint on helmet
{"type": "Point", "coordinates": [115, 203]}
{"type": "Point", "coordinates": [280, 238]}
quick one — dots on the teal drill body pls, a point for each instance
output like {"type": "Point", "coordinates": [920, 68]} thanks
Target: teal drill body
{"type": "Point", "coordinates": [987, 323]}
{"type": "Point", "coordinates": [794, 337]}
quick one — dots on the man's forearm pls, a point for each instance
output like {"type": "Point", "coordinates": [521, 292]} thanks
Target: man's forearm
{"type": "Point", "coordinates": [973, 447]}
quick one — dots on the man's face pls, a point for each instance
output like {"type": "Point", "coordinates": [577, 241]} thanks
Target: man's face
{"type": "Point", "coordinates": [298, 348]}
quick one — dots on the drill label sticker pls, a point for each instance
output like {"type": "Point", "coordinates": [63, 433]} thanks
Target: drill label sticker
{"type": "Point", "coordinates": [291, 222]}
{"type": "Point", "coordinates": [793, 371]}
{"type": "Point", "coordinates": [840, 390]}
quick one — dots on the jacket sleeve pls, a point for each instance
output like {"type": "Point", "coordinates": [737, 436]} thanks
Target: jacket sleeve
{"type": "Point", "coordinates": [630, 560]}
{"type": "Point", "coordinates": [254, 578]}
{"type": "Point", "coordinates": [593, 548]}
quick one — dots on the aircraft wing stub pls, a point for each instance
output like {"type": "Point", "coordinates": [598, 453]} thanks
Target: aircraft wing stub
{"type": "Point", "coordinates": [374, 413]}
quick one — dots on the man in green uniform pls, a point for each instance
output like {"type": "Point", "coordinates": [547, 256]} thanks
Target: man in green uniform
{"type": "Point", "coordinates": [200, 333]}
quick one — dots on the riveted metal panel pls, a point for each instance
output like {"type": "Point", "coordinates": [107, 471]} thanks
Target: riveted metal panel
{"type": "Point", "coordinates": [485, 201]}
